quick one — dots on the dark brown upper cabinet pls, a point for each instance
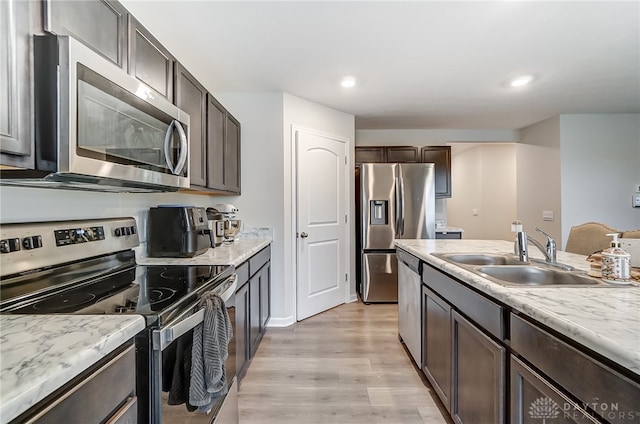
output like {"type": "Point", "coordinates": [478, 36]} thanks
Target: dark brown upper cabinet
{"type": "Point", "coordinates": [370, 155]}
{"type": "Point", "coordinates": [387, 154]}
{"type": "Point", "coordinates": [191, 97]}
{"type": "Point", "coordinates": [232, 155]}
{"type": "Point", "coordinates": [403, 154]}
{"type": "Point", "coordinates": [16, 142]}
{"type": "Point", "coordinates": [441, 157]}
{"type": "Point", "coordinates": [100, 24]}
{"type": "Point", "coordinates": [223, 148]}
{"type": "Point", "coordinates": [149, 61]}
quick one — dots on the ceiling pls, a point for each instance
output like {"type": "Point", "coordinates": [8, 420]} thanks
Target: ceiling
{"type": "Point", "coordinates": [418, 64]}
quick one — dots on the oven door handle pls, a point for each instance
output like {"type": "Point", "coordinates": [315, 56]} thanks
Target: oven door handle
{"type": "Point", "coordinates": [163, 337]}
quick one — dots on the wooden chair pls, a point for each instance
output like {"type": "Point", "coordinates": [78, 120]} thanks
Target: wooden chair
{"type": "Point", "coordinates": [635, 234]}
{"type": "Point", "coordinates": [589, 237]}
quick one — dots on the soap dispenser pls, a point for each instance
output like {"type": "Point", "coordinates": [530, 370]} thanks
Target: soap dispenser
{"type": "Point", "coordinates": [616, 263]}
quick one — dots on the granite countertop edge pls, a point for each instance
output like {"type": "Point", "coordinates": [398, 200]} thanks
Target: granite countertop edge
{"type": "Point", "coordinates": [606, 320]}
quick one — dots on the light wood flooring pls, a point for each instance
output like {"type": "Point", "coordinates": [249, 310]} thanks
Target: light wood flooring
{"type": "Point", "coordinates": [343, 366]}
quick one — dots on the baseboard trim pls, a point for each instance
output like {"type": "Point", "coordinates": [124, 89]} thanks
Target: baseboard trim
{"type": "Point", "coordinates": [281, 322]}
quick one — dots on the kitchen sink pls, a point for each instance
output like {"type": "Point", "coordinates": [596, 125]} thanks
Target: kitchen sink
{"type": "Point", "coordinates": [480, 258]}
{"type": "Point", "coordinates": [535, 276]}
{"type": "Point", "coordinates": [506, 269]}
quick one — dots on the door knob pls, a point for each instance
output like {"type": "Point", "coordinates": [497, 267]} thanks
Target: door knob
{"type": "Point", "coordinates": [304, 235]}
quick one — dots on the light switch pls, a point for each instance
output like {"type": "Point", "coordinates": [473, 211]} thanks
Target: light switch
{"type": "Point", "coordinates": [635, 201]}
{"type": "Point", "coordinates": [547, 215]}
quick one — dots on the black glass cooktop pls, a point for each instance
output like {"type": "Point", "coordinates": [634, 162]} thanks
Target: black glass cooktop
{"type": "Point", "coordinates": [138, 289]}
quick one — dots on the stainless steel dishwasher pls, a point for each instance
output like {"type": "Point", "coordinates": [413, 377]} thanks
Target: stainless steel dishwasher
{"type": "Point", "coordinates": [409, 307]}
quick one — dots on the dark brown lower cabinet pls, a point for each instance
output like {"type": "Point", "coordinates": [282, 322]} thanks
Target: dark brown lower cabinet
{"type": "Point", "coordinates": [242, 322]}
{"type": "Point", "coordinates": [478, 374]}
{"type": "Point", "coordinates": [265, 296]}
{"type": "Point", "coordinates": [253, 309]}
{"type": "Point", "coordinates": [464, 359]}
{"type": "Point", "coordinates": [437, 344]}
{"type": "Point", "coordinates": [254, 313]}
{"type": "Point", "coordinates": [534, 400]}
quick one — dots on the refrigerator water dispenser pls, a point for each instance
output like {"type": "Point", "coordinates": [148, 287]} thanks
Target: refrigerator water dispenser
{"type": "Point", "coordinates": [378, 210]}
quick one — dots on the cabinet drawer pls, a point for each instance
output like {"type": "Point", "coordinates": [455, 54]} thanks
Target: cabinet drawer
{"type": "Point", "coordinates": [95, 397]}
{"type": "Point", "coordinates": [128, 414]}
{"type": "Point", "coordinates": [259, 259]}
{"type": "Point", "coordinates": [479, 309]}
{"type": "Point", "coordinates": [533, 398]}
{"type": "Point", "coordinates": [410, 260]}
{"type": "Point", "coordinates": [587, 379]}
{"type": "Point", "coordinates": [243, 274]}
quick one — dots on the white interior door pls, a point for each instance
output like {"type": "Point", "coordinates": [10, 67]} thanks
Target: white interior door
{"type": "Point", "coordinates": [321, 223]}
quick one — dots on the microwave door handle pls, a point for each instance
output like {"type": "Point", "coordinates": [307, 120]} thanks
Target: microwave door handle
{"type": "Point", "coordinates": [184, 148]}
{"type": "Point", "coordinates": [167, 145]}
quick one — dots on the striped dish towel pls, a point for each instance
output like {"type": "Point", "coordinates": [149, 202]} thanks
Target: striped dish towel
{"type": "Point", "coordinates": [209, 353]}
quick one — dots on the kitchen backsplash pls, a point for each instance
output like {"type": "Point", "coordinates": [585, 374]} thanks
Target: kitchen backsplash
{"type": "Point", "coordinates": [19, 204]}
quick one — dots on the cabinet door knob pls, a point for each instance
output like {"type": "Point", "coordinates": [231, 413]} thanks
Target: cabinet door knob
{"type": "Point", "coordinates": [304, 235]}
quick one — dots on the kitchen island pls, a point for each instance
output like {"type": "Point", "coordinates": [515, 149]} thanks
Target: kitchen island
{"type": "Point", "coordinates": [604, 319]}
{"type": "Point", "coordinates": [486, 345]}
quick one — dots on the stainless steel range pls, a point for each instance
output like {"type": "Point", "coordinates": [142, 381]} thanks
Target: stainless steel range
{"type": "Point", "coordinates": [89, 267]}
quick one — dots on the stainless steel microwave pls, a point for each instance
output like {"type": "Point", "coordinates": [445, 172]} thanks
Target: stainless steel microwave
{"type": "Point", "coordinates": [95, 125]}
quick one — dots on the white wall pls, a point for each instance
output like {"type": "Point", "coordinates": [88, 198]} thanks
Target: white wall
{"type": "Point", "coordinates": [538, 178]}
{"type": "Point", "coordinates": [600, 167]}
{"type": "Point", "coordinates": [262, 202]}
{"type": "Point", "coordinates": [483, 178]}
{"type": "Point", "coordinates": [268, 178]}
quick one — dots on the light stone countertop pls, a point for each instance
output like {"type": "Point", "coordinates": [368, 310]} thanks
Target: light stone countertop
{"type": "Point", "coordinates": [40, 353]}
{"type": "Point", "coordinates": [604, 319]}
{"type": "Point", "coordinates": [226, 254]}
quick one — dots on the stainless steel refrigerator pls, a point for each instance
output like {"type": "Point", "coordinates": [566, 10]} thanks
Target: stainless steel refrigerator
{"type": "Point", "coordinates": [396, 201]}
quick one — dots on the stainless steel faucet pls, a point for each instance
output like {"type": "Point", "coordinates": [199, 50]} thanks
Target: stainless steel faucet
{"type": "Point", "coordinates": [549, 250]}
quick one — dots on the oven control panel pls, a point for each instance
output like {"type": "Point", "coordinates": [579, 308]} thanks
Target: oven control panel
{"type": "Point", "coordinates": [78, 235]}
{"type": "Point", "coordinates": [30, 246]}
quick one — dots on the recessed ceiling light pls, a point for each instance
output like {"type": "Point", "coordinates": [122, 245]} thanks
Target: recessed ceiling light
{"type": "Point", "coordinates": [348, 82]}
{"type": "Point", "coordinates": [521, 81]}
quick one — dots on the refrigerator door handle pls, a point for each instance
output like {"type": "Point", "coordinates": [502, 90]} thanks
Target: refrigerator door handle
{"type": "Point", "coordinates": [398, 206]}
{"type": "Point", "coordinates": [401, 188]}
